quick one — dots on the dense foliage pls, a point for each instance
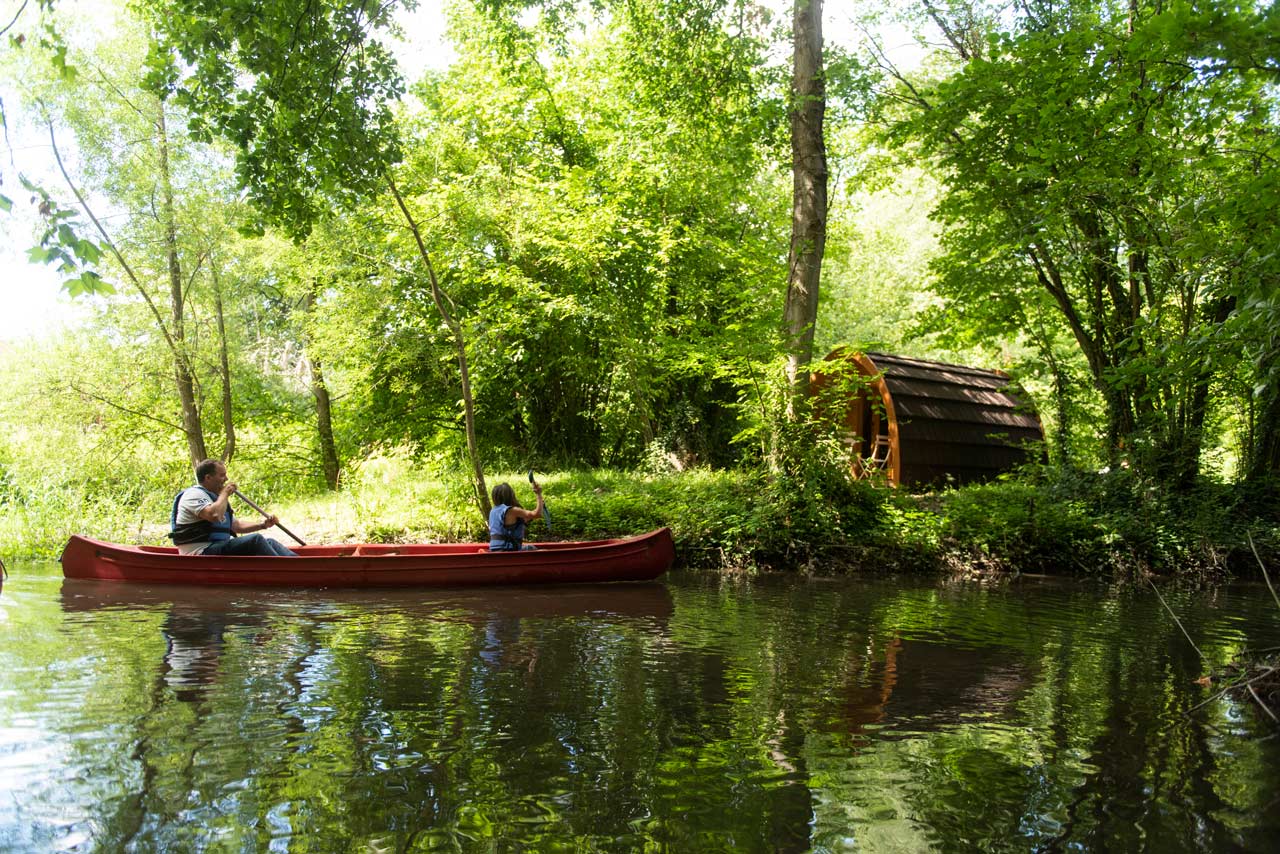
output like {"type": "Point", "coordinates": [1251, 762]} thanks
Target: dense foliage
{"type": "Point", "coordinates": [1107, 166]}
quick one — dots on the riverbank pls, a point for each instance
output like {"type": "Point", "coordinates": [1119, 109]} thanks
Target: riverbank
{"type": "Point", "coordinates": [1105, 525]}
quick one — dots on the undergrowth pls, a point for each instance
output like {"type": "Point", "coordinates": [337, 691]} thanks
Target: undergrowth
{"type": "Point", "coordinates": [809, 516]}
{"type": "Point", "coordinates": [1112, 524]}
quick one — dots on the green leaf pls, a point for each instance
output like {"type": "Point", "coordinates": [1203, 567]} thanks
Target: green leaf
{"type": "Point", "coordinates": [87, 251]}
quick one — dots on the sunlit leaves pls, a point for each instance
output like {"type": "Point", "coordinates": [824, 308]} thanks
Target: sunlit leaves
{"type": "Point", "coordinates": [1098, 161]}
{"type": "Point", "coordinates": [304, 92]}
{"type": "Point", "coordinates": [62, 246]}
{"type": "Point", "coordinates": [610, 253]}
{"type": "Point", "coordinates": [62, 243]}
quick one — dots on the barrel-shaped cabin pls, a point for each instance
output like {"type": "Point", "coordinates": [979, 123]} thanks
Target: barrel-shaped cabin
{"type": "Point", "coordinates": [923, 422]}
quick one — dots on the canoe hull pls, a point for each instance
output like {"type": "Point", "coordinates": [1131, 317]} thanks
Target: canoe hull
{"type": "Point", "coordinates": [641, 558]}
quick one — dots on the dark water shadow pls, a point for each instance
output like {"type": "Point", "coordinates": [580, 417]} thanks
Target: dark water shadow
{"type": "Point", "coordinates": [647, 600]}
{"type": "Point", "coordinates": [778, 715]}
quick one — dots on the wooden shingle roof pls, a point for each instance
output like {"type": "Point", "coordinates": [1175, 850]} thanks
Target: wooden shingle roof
{"type": "Point", "coordinates": [938, 421]}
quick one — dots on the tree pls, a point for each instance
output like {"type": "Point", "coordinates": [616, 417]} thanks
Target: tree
{"type": "Point", "coordinates": [224, 363]}
{"type": "Point", "coordinates": [146, 119]}
{"type": "Point", "coordinates": [176, 333]}
{"type": "Point", "coordinates": [305, 92]}
{"type": "Point", "coordinates": [1084, 153]}
{"type": "Point", "coordinates": [601, 207]}
{"type": "Point", "coordinates": [62, 242]}
{"type": "Point", "coordinates": [198, 299]}
{"type": "Point", "coordinates": [809, 193]}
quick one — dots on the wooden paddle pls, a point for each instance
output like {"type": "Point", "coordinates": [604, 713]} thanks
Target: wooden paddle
{"type": "Point", "coordinates": [546, 511]}
{"type": "Point", "coordinates": [240, 495]}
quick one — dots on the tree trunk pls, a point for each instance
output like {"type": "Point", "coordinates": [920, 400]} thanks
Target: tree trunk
{"type": "Point", "coordinates": [809, 195]}
{"type": "Point", "coordinates": [1061, 392]}
{"type": "Point", "coordinates": [1263, 461]}
{"type": "Point", "coordinates": [224, 362]}
{"type": "Point", "coordinates": [1089, 328]}
{"type": "Point", "coordinates": [324, 425]}
{"type": "Point", "coordinates": [183, 375]}
{"type": "Point", "coordinates": [1188, 440]}
{"type": "Point", "coordinates": [460, 344]}
{"type": "Point", "coordinates": [329, 461]}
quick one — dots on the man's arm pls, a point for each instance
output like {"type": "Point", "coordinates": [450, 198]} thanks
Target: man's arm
{"type": "Point", "coordinates": [250, 527]}
{"type": "Point", "coordinates": [214, 511]}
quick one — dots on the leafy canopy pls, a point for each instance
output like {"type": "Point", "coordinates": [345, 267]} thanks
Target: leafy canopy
{"type": "Point", "coordinates": [303, 90]}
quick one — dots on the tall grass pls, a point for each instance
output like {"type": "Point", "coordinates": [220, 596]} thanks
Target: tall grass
{"type": "Point", "coordinates": [1117, 524]}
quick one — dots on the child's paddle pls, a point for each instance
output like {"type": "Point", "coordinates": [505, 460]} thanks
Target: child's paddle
{"type": "Point", "coordinates": [546, 511]}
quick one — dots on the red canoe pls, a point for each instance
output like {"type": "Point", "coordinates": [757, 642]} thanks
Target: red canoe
{"type": "Point", "coordinates": [641, 558]}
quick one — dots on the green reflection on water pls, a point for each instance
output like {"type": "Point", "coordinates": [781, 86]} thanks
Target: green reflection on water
{"type": "Point", "coordinates": [781, 715]}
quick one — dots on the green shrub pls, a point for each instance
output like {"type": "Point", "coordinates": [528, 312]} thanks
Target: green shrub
{"type": "Point", "coordinates": [810, 514]}
{"type": "Point", "coordinates": [1104, 522]}
{"type": "Point", "coordinates": [1022, 525]}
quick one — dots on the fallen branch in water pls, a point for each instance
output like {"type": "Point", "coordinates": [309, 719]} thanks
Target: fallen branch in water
{"type": "Point", "coordinates": [1236, 686]}
{"type": "Point", "coordinates": [1175, 619]}
{"type": "Point", "coordinates": [1264, 706]}
{"type": "Point", "coordinates": [1262, 566]}
{"type": "Point", "coordinates": [1243, 675]}
{"type": "Point", "coordinates": [1249, 676]}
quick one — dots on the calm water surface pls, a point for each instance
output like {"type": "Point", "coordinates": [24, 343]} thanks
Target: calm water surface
{"type": "Point", "coordinates": [687, 716]}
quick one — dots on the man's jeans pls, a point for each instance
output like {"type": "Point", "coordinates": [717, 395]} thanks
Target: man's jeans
{"type": "Point", "coordinates": [254, 544]}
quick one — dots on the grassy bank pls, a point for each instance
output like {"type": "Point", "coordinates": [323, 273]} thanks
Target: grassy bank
{"type": "Point", "coordinates": [1105, 525]}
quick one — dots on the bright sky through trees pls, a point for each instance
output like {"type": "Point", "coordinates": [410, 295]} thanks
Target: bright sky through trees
{"type": "Point", "coordinates": [30, 294]}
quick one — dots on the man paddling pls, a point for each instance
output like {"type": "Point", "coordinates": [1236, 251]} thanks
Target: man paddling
{"type": "Point", "coordinates": [203, 523]}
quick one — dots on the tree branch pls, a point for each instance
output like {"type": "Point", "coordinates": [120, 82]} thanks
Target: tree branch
{"type": "Point", "coordinates": [106, 238]}
{"type": "Point", "coordinates": [16, 16]}
{"type": "Point", "coordinates": [78, 390]}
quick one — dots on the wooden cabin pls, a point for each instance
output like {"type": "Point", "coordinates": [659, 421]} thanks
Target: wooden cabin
{"type": "Point", "coordinates": [925, 423]}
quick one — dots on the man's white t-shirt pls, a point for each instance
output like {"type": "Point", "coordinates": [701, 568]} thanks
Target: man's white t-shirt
{"type": "Point", "coordinates": [193, 500]}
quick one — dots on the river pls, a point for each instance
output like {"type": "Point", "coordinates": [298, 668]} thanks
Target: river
{"type": "Point", "coordinates": [691, 715]}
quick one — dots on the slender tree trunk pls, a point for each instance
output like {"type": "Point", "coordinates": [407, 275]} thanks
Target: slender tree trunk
{"type": "Point", "coordinates": [1189, 438]}
{"type": "Point", "coordinates": [1089, 326]}
{"type": "Point", "coordinates": [329, 461]}
{"type": "Point", "coordinates": [324, 425]}
{"type": "Point", "coordinates": [1178, 463]}
{"type": "Point", "coordinates": [183, 374]}
{"type": "Point", "coordinates": [1263, 461]}
{"type": "Point", "coordinates": [224, 363]}
{"type": "Point", "coordinates": [460, 345]}
{"type": "Point", "coordinates": [809, 195]}
{"type": "Point", "coordinates": [1061, 395]}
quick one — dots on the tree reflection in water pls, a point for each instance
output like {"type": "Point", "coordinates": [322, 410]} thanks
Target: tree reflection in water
{"type": "Point", "coordinates": [692, 715]}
